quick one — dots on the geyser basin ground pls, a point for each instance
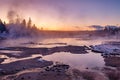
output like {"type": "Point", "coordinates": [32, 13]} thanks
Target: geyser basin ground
{"type": "Point", "coordinates": [43, 53]}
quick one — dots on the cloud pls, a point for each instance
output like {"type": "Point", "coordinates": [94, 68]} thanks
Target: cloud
{"type": "Point", "coordinates": [96, 27]}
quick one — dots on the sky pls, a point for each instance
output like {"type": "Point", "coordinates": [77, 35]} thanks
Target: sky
{"type": "Point", "coordinates": [64, 14]}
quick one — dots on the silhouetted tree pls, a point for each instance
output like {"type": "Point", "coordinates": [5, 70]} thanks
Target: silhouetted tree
{"type": "Point", "coordinates": [4, 23]}
{"type": "Point", "coordinates": [112, 29]}
{"type": "Point", "coordinates": [17, 20]}
{"type": "Point", "coordinates": [19, 28]}
{"type": "Point", "coordinates": [29, 23]}
{"type": "Point", "coordinates": [34, 26]}
{"type": "Point", "coordinates": [2, 27]}
{"type": "Point", "coordinates": [24, 23]}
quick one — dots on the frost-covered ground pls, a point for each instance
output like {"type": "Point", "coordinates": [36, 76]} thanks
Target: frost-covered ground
{"type": "Point", "coordinates": [109, 48]}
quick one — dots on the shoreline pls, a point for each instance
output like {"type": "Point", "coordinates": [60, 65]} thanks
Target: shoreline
{"type": "Point", "coordinates": [35, 68]}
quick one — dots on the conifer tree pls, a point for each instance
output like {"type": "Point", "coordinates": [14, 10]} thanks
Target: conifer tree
{"type": "Point", "coordinates": [29, 23]}
{"type": "Point", "coordinates": [2, 27]}
{"type": "Point", "coordinates": [24, 23]}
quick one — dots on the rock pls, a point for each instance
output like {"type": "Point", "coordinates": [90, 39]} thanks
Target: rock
{"type": "Point", "coordinates": [58, 68]}
{"type": "Point", "coordinates": [21, 65]}
{"type": "Point", "coordinates": [112, 61]}
{"type": "Point", "coordinates": [2, 59]}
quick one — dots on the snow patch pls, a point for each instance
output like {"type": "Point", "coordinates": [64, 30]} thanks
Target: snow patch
{"type": "Point", "coordinates": [107, 49]}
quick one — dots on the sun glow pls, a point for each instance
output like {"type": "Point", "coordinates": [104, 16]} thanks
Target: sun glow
{"type": "Point", "coordinates": [54, 26]}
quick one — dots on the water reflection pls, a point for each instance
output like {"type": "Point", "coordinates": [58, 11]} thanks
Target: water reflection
{"type": "Point", "coordinates": [52, 42]}
{"type": "Point", "coordinates": [9, 51]}
{"type": "Point", "coordinates": [77, 60]}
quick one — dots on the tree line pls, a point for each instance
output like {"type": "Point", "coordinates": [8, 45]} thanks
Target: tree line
{"type": "Point", "coordinates": [19, 28]}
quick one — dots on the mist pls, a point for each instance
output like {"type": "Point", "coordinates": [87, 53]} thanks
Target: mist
{"type": "Point", "coordinates": [53, 13]}
{"type": "Point", "coordinates": [59, 39]}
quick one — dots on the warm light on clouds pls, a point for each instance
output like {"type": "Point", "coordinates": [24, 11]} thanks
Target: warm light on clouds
{"type": "Point", "coordinates": [64, 14]}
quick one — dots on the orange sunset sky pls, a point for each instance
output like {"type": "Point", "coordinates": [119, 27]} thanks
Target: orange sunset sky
{"type": "Point", "coordinates": [64, 14]}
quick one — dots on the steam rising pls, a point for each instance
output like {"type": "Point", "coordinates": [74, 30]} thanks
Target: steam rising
{"type": "Point", "coordinates": [44, 11]}
{"type": "Point", "coordinates": [63, 12]}
{"type": "Point", "coordinates": [12, 15]}
{"type": "Point", "coordinates": [19, 27]}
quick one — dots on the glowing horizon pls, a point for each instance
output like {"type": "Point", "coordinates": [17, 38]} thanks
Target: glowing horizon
{"type": "Point", "coordinates": [64, 15]}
